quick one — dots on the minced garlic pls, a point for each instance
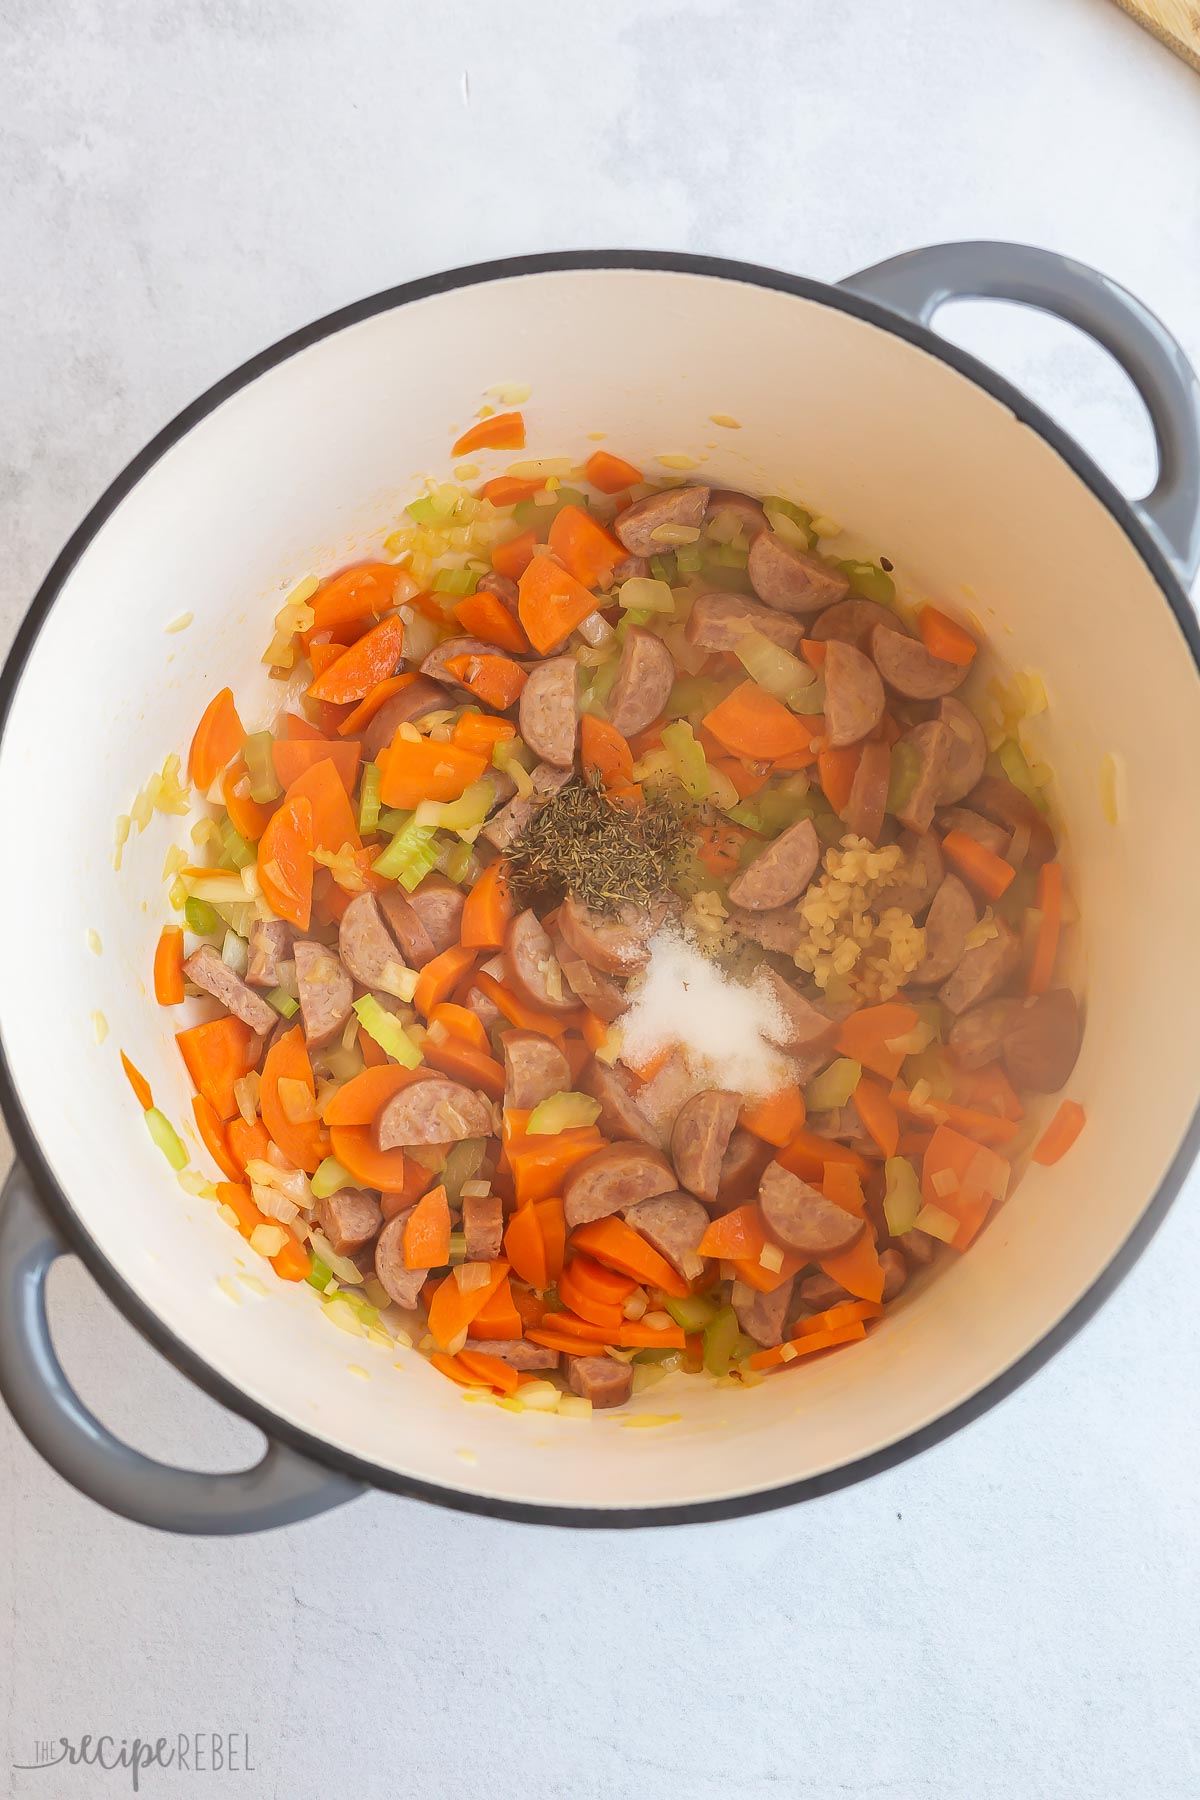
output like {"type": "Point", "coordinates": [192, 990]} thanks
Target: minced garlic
{"type": "Point", "coordinates": [875, 954]}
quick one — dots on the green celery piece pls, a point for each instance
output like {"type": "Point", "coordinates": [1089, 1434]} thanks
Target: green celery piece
{"type": "Point", "coordinates": [902, 1198]}
{"type": "Point", "coordinates": [200, 916]}
{"type": "Point", "coordinates": [410, 856]}
{"type": "Point", "coordinates": [690, 762]}
{"type": "Point", "coordinates": [463, 1163]}
{"type": "Point", "coordinates": [562, 1112]}
{"type": "Point", "coordinates": [902, 777]}
{"type": "Point", "coordinates": [330, 1178]}
{"type": "Point", "coordinates": [459, 582]}
{"type": "Point", "coordinates": [233, 844]}
{"type": "Point", "coordinates": [689, 559]}
{"type": "Point", "coordinates": [260, 767]}
{"type": "Point", "coordinates": [869, 580]}
{"type": "Point", "coordinates": [283, 1002]}
{"type": "Point", "coordinates": [695, 1312]}
{"type": "Point", "coordinates": [663, 567]}
{"type": "Point", "coordinates": [720, 1337]}
{"type": "Point", "coordinates": [319, 1275]}
{"type": "Point", "coordinates": [833, 1087]}
{"type": "Point", "coordinates": [1012, 761]}
{"type": "Point", "coordinates": [454, 860]}
{"type": "Point", "coordinates": [790, 510]}
{"type": "Point", "coordinates": [368, 799]}
{"type": "Point", "coordinates": [166, 1137]}
{"type": "Point", "coordinates": [387, 1031]}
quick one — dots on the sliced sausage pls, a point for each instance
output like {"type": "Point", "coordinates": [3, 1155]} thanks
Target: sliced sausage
{"type": "Point", "coordinates": [519, 1353]}
{"type": "Point", "coordinates": [951, 917]}
{"type": "Point", "coordinates": [350, 1219]}
{"type": "Point", "coordinates": [743, 507]}
{"type": "Point", "coordinates": [484, 1008]}
{"type": "Point", "coordinates": [998, 800]}
{"type": "Point", "coordinates": [483, 1224]}
{"type": "Point", "coordinates": [505, 827]}
{"type": "Point", "coordinates": [413, 701]}
{"type": "Point", "coordinates": [741, 1169]}
{"type": "Point", "coordinates": [843, 1124]}
{"type": "Point", "coordinates": [791, 579]}
{"type": "Point", "coordinates": [433, 1111]}
{"type": "Point", "coordinates": [803, 1029]}
{"type": "Point", "coordinates": [822, 1291]}
{"type": "Point", "coordinates": [599, 993]}
{"type": "Point", "coordinates": [601, 1379]}
{"type": "Point", "coordinates": [326, 992]}
{"type": "Point", "coordinates": [434, 665]}
{"type": "Point", "coordinates": [438, 904]}
{"type": "Point", "coordinates": [268, 946]}
{"type": "Point", "coordinates": [895, 1273]}
{"type": "Point", "coordinates": [620, 1114]}
{"type": "Point", "coordinates": [918, 877]}
{"type": "Point", "coordinates": [631, 568]}
{"type": "Point", "coordinates": [968, 751]}
{"type": "Point", "coordinates": [960, 818]}
{"type": "Point", "coordinates": [801, 1219]}
{"type": "Point", "coordinates": [854, 698]}
{"type": "Point", "coordinates": [505, 590]}
{"type": "Point", "coordinates": [982, 971]}
{"type": "Point", "coordinates": [614, 944]}
{"type": "Point", "coordinates": [781, 871]}
{"type": "Point", "coordinates": [611, 1179]}
{"type": "Point", "coordinates": [406, 927]}
{"type": "Point", "coordinates": [918, 1246]}
{"type": "Point", "coordinates": [674, 1224]}
{"type": "Point", "coordinates": [1041, 1046]}
{"type": "Point", "coordinates": [365, 945]}
{"type": "Point", "coordinates": [853, 621]}
{"type": "Point", "coordinates": [868, 792]}
{"type": "Point", "coordinates": [700, 1137]}
{"type": "Point", "coordinates": [718, 620]}
{"type": "Point", "coordinates": [674, 506]}
{"type": "Point", "coordinates": [533, 967]}
{"type": "Point", "coordinates": [762, 1316]}
{"type": "Point", "coordinates": [782, 930]}
{"type": "Point", "coordinates": [909, 669]}
{"type": "Point", "coordinates": [403, 1285]}
{"type": "Point", "coordinates": [534, 1068]}
{"type": "Point", "coordinates": [645, 677]}
{"type": "Point", "coordinates": [977, 1037]}
{"type": "Point", "coordinates": [931, 744]}
{"type": "Point", "coordinates": [206, 970]}
{"type": "Point", "coordinates": [548, 712]}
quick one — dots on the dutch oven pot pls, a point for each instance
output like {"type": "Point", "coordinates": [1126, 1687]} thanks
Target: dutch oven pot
{"type": "Point", "coordinates": [297, 462]}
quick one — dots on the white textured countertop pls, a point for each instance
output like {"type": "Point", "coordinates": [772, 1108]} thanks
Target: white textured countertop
{"type": "Point", "coordinates": [1013, 1613]}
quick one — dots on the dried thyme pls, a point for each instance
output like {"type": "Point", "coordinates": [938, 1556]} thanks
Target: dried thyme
{"type": "Point", "coordinates": [582, 842]}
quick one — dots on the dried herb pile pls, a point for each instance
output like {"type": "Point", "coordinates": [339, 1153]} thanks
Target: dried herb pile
{"type": "Point", "coordinates": [582, 842]}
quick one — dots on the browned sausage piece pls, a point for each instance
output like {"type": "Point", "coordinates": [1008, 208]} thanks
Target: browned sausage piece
{"type": "Point", "coordinates": [548, 712]}
{"type": "Point", "coordinates": [801, 1219]}
{"type": "Point", "coordinates": [895, 1272]}
{"type": "Point", "coordinates": [505, 827]}
{"type": "Point", "coordinates": [918, 1246]}
{"type": "Point", "coordinates": [617, 944]}
{"type": "Point", "coordinates": [599, 993]}
{"type": "Point", "coordinates": [674, 1224]}
{"type": "Point", "coordinates": [999, 800]}
{"type": "Point", "coordinates": [1041, 1046]}
{"type": "Point", "coordinates": [790, 579]}
{"type": "Point", "coordinates": [206, 970]}
{"type": "Point", "coordinates": [844, 1124]}
{"type": "Point", "coordinates": [743, 507]}
{"type": "Point", "coordinates": [365, 944]}
{"type": "Point", "coordinates": [506, 591]}
{"type": "Point", "coordinates": [781, 871]}
{"type": "Point", "coordinates": [326, 992]}
{"type": "Point", "coordinates": [434, 1111]}
{"type": "Point", "coordinates": [645, 677]}
{"type": "Point", "coordinates": [717, 621]}
{"type": "Point", "coordinates": [620, 1114]}
{"type": "Point", "coordinates": [909, 669]}
{"type": "Point", "coordinates": [674, 506]}
{"type": "Point", "coordinates": [968, 751]}
{"type": "Point", "coordinates": [761, 1316]}
{"type": "Point", "coordinates": [804, 1029]}
{"type": "Point", "coordinates": [960, 818]}
{"type": "Point", "coordinates": [853, 621]}
{"type": "Point", "coordinates": [269, 945]}
{"type": "Point", "coordinates": [533, 967]}
{"type": "Point", "coordinates": [978, 1036]}
{"type": "Point", "coordinates": [519, 1353]}
{"type": "Point", "coordinates": [918, 877]}
{"type": "Point", "coordinates": [412, 702]}
{"type": "Point", "coordinates": [741, 1170]}
{"type": "Point", "coordinates": [350, 1219]}
{"type": "Point", "coordinates": [931, 743]}
{"type": "Point", "coordinates": [700, 1137]}
{"type": "Point", "coordinates": [854, 699]}
{"type": "Point", "coordinates": [434, 664]}
{"type": "Point", "coordinates": [534, 1068]}
{"type": "Point", "coordinates": [630, 568]}
{"type": "Point", "coordinates": [821, 1291]}
{"type": "Point", "coordinates": [982, 971]}
{"type": "Point", "coordinates": [951, 917]}
{"type": "Point", "coordinates": [438, 903]}
{"type": "Point", "coordinates": [601, 1379]}
{"type": "Point", "coordinates": [483, 1224]}
{"type": "Point", "coordinates": [402, 1284]}
{"type": "Point", "coordinates": [781, 930]}
{"type": "Point", "coordinates": [611, 1179]}
{"type": "Point", "coordinates": [406, 927]}
{"type": "Point", "coordinates": [868, 792]}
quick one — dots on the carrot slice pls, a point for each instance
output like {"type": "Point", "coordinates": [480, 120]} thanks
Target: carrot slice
{"type": "Point", "coordinates": [467, 1063]}
{"type": "Point", "coordinates": [294, 758]}
{"type": "Point", "coordinates": [611, 473]}
{"type": "Point", "coordinates": [216, 1055]}
{"type": "Point", "coordinates": [371, 659]}
{"type": "Point", "coordinates": [843, 1185]}
{"type": "Point", "coordinates": [460, 1022]}
{"type": "Point", "coordinates": [814, 651]}
{"type": "Point", "coordinates": [603, 751]}
{"type": "Point", "coordinates": [876, 1036]}
{"type": "Point", "coordinates": [454, 1370]}
{"type": "Point", "coordinates": [836, 770]}
{"type": "Point", "coordinates": [496, 680]}
{"type": "Point", "coordinates": [427, 1232]}
{"type": "Point", "coordinates": [353, 596]}
{"type": "Point", "coordinates": [963, 1178]}
{"type": "Point", "coordinates": [1060, 1133]}
{"type": "Point", "coordinates": [605, 1313]}
{"type": "Point", "coordinates": [525, 1246]}
{"type": "Point", "coordinates": [552, 1219]}
{"type": "Point", "coordinates": [370, 704]}
{"type": "Point", "coordinates": [978, 865]}
{"type": "Point", "coordinates": [247, 1143]}
{"type": "Point", "coordinates": [168, 966]}
{"type": "Point", "coordinates": [334, 823]}
{"type": "Point", "coordinates": [440, 976]}
{"type": "Point", "coordinates": [305, 1144]}
{"type": "Point", "coordinates": [491, 1369]}
{"type": "Point", "coordinates": [481, 732]}
{"type": "Point", "coordinates": [984, 1127]}
{"type": "Point", "coordinates": [858, 1269]}
{"type": "Point", "coordinates": [777, 1119]}
{"type": "Point", "coordinates": [510, 490]}
{"type": "Point", "coordinates": [426, 770]}
{"type": "Point", "coordinates": [219, 736]}
{"type": "Point", "coordinates": [322, 655]}
{"type": "Point", "coordinates": [585, 548]}
{"type": "Point", "coordinates": [809, 1155]}
{"type": "Point", "coordinates": [138, 1083]}
{"type": "Point", "coordinates": [527, 1018]}
{"type": "Point", "coordinates": [363, 1095]}
{"type": "Point", "coordinates": [214, 1137]}
{"type": "Point", "coordinates": [512, 559]}
{"type": "Point", "coordinates": [499, 1318]}
{"type": "Point", "coordinates": [502, 431]}
{"type": "Point", "coordinates": [942, 637]}
{"type": "Point", "coordinates": [236, 1196]}
{"type": "Point", "coordinates": [488, 909]}
{"type": "Point", "coordinates": [355, 1148]}
{"type": "Point", "coordinates": [451, 1311]}
{"type": "Point", "coordinates": [485, 616]}
{"type": "Point", "coordinates": [285, 864]}
{"type": "Point", "coordinates": [878, 1115]}
{"type": "Point", "coordinates": [539, 1165]}
{"type": "Point", "coordinates": [1049, 900]}
{"type": "Point", "coordinates": [607, 1287]}
{"type": "Point", "coordinates": [552, 603]}
{"type": "Point", "coordinates": [752, 723]}
{"type": "Point", "coordinates": [613, 1242]}
{"type": "Point", "coordinates": [807, 1345]}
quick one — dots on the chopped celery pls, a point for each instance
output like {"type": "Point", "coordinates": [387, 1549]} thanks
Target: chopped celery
{"type": "Point", "coordinates": [720, 1337]}
{"type": "Point", "coordinates": [410, 856]}
{"type": "Point", "coordinates": [869, 580]}
{"type": "Point", "coordinates": [330, 1178]}
{"type": "Point", "coordinates": [260, 767]}
{"type": "Point", "coordinates": [464, 814]}
{"type": "Point", "coordinates": [282, 1001]}
{"type": "Point", "coordinates": [528, 513]}
{"type": "Point", "coordinates": [689, 559]}
{"type": "Point", "coordinates": [458, 1247]}
{"type": "Point", "coordinates": [692, 697]}
{"type": "Point", "coordinates": [234, 952]}
{"type": "Point", "coordinates": [774, 808]}
{"type": "Point", "coordinates": [200, 916]}
{"type": "Point", "coordinates": [694, 1312]}
{"type": "Point", "coordinates": [726, 556]}
{"type": "Point", "coordinates": [834, 1086]}
{"type": "Point", "coordinates": [789, 509]}
{"type": "Point", "coordinates": [773, 667]}
{"type": "Point", "coordinates": [902, 1199]}
{"type": "Point", "coordinates": [645, 594]}
{"type": "Point", "coordinates": [392, 819]}
{"type": "Point", "coordinates": [664, 567]}
{"type": "Point", "coordinates": [829, 827]}
{"type": "Point", "coordinates": [233, 845]}
{"type": "Point", "coordinates": [902, 777]}
{"type": "Point", "coordinates": [319, 1275]}
{"type": "Point", "coordinates": [368, 799]}
{"type": "Point", "coordinates": [604, 680]}
{"type": "Point", "coordinates": [454, 581]}
{"type": "Point", "coordinates": [166, 1137]}
{"type": "Point", "coordinates": [561, 1112]}
{"type": "Point", "coordinates": [691, 765]}
{"type": "Point", "coordinates": [454, 860]}
{"type": "Point", "coordinates": [463, 1162]}
{"type": "Point", "coordinates": [1013, 762]}
{"type": "Point", "coordinates": [387, 1031]}
{"type": "Point", "coordinates": [429, 510]}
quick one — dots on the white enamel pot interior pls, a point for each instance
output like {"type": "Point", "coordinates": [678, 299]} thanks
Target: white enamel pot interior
{"type": "Point", "coordinates": [304, 462]}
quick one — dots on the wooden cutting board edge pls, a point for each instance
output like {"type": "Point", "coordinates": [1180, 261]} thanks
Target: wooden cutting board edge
{"type": "Point", "coordinates": [1176, 23]}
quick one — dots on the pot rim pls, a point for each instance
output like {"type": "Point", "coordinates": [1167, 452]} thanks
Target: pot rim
{"type": "Point", "coordinates": [153, 1327]}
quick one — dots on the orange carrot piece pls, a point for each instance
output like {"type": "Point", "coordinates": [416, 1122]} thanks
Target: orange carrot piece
{"type": "Point", "coordinates": [363, 1095]}
{"type": "Point", "coordinates": [586, 549]}
{"type": "Point", "coordinates": [980, 1175]}
{"type": "Point", "coordinates": [285, 864]}
{"type": "Point", "coordinates": [427, 1232]}
{"type": "Point", "coordinates": [440, 976]}
{"type": "Point", "coordinates": [236, 1196]}
{"type": "Point", "coordinates": [491, 1369]}
{"type": "Point", "coordinates": [809, 1155]}
{"type": "Point", "coordinates": [874, 1036]}
{"type": "Point", "coordinates": [1049, 901]}
{"type": "Point", "coordinates": [987, 1089]}
{"type": "Point", "coordinates": [485, 616]}
{"type": "Point", "coordinates": [813, 650]}
{"type": "Point", "coordinates": [369, 660]}
{"type": "Point", "coordinates": [646, 1067]}
{"type": "Point", "coordinates": [214, 1137]}
{"type": "Point", "coordinates": [603, 751]}
{"type": "Point", "coordinates": [460, 1022]}
{"type": "Point", "coordinates": [878, 1115]}
{"type": "Point", "coordinates": [807, 1345]}
{"type": "Point", "coordinates": [219, 736]}
{"type": "Point", "coordinates": [777, 1119]}
{"type": "Point", "coordinates": [370, 704]}
{"type": "Point", "coordinates": [295, 758]}
{"type": "Point", "coordinates": [488, 909]}
{"type": "Point", "coordinates": [843, 1312]}
{"type": "Point", "coordinates": [353, 596]}
{"type": "Point", "coordinates": [569, 1342]}
{"type": "Point", "coordinates": [610, 473]}
{"type": "Point", "coordinates": [858, 1269]}
{"type": "Point", "coordinates": [552, 1219]}
{"type": "Point", "coordinates": [527, 1018]}
{"type": "Point", "coordinates": [454, 1370]}
{"type": "Point", "coordinates": [496, 680]}
{"type": "Point", "coordinates": [425, 770]}
{"type": "Point", "coordinates": [512, 559]}
{"type": "Point", "coordinates": [836, 770]}
{"type": "Point", "coordinates": [451, 1311]}
{"type": "Point", "coordinates": [606, 1287]}
{"type": "Point", "coordinates": [502, 431]}
{"type": "Point", "coordinates": [168, 966]}
{"type": "Point", "coordinates": [985, 1127]}
{"type": "Point", "coordinates": [843, 1185]}
{"type": "Point", "coordinates": [138, 1083]}
{"type": "Point", "coordinates": [752, 723]}
{"type": "Point", "coordinates": [467, 1063]}
{"type": "Point", "coordinates": [617, 1244]}
{"type": "Point", "coordinates": [978, 865]}
{"type": "Point", "coordinates": [510, 490]}
{"type": "Point", "coordinates": [942, 637]}
{"type": "Point", "coordinates": [292, 1263]}
{"type": "Point", "coordinates": [735, 1236]}
{"type": "Point", "coordinates": [247, 816]}
{"type": "Point", "coordinates": [525, 1246]}
{"type": "Point", "coordinates": [322, 655]}
{"type": "Point", "coordinates": [540, 1164]}
{"type": "Point", "coordinates": [216, 1055]}
{"type": "Point", "coordinates": [247, 1143]}
{"type": "Point", "coordinates": [388, 1170]}
{"type": "Point", "coordinates": [1060, 1134]}
{"type": "Point", "coordinates": [552, 603]}
{"type": "Point", "coordinates": [604, 1313]}
{"type": "Point", "coordinates": [305, 1144]}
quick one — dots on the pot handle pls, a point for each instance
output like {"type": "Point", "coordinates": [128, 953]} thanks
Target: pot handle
{"type": "Point", "coordinates": [279, 1490]}
{"type": "Point", "coordinates": [919, 282]}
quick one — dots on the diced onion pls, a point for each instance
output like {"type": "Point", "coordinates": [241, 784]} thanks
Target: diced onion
{"type": "Point", "coordinates": [268, 1240]}
{"type": "Point", "coordinates": [635, 1306]}
{"type": "Point", "coordinates": [539, 1396]}
{"type": "Point", "coordinates": [341, 1266]}
{"type": "Point", "coordinates": [297, 1100]}
{"type": "Point", "coordinates": [245, 1092]}
{"type": "Point", "coordinates": [658, 1321]}
{"type": "Point", "coordinates": [944, 1183]}
{"type": "Point", "coordinates": [771, 1257]}
{"type": "Point", "coordinates": [471, 1276]}
{"type": "Point", "coordinates": [937, 1223]}
{"type": "Point", "coordinates": [596, 631]}
{"type": "Point", "coordinates": [642, 593]}
{"type": "Point", "coordinates": [572, 1406]}
{"type": "Point", "coordinates": [276, 1205]}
